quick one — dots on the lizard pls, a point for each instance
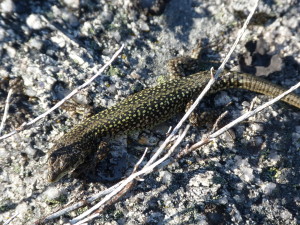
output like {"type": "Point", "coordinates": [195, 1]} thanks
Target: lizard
{"type": "Point", "coordinates": [146, 109]}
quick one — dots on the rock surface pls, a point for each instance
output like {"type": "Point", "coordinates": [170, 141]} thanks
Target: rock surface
{"type": "Point", "coordinates": [252, 178]}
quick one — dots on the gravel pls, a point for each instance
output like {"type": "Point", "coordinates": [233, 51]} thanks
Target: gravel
{"type": "Point", "coordinates": [250, 175]}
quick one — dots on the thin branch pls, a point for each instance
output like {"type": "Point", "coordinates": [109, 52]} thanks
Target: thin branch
{"type": "Point", "coordinates": [251, 113]}
{"type": "Point", "coordinates": [75, 91]}
{"type": "Point", "coordinates": [11, 219]}
{"type": "Point", "coordinates": [90, 199]}
{"type": "Point", "coordinates": [215, 126]}
{"type": "Point", "coordinates": [123, 183]}
{"type": "Point", "coordinates": [140, 161]}
{"type": "Point", "coordinates": [154, 162]}
{"type": "Point", "coordinates": [5, 110]}
{"type": "Point", "coordinates": [245, 116]}
{"type": "Point", "coordinates": [119, 195]}
{"type": "Point", "coordinates": [206, 89]}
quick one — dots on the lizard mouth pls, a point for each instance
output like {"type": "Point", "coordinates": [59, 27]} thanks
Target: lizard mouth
{"type": "Point", "coordinates": [61, 162]}
{"type": "Point", "coordinates": [54, 176]}
{"type": "Point", "coordinates": [55, 173]}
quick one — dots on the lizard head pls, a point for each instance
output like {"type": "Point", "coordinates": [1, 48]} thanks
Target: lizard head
{"type": "Point", "coordinates": [61, 161]}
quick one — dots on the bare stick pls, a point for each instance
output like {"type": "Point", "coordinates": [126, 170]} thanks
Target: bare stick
{"type": "Point", "coordinates": [93, 198]}
{"type": "Point", "coordinates": [140, 173]}
{"type": "Point", "coordinates": [11, 219]}
{"type": "Point", "coordinates": [140, 161]}
{"type": "Point", "coordinates": [5, 110]}
{"type": "Point", "coordinates": [206, 89]}
{"type": "Point", "coordinates": [120, 194]}
{"type": "Point", "coordinates": [215, 126]}
{"type": "Point", "coordinates": [79, 204]}
{"type": "Point", "coordinates": [246, 116]}
{"type": "Point", "coordinates": [75, 91]}
{"type": "Point", "coordinates": [251, 113]}
{"type": "Point", "coordinates": [153, 163]}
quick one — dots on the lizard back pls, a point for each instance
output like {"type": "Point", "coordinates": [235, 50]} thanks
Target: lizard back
{"type": "Point", "coordinates": [146, 109]}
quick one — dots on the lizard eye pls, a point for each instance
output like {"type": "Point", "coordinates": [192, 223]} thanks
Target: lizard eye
{"type": "Point", "coordinates": [51, 159]}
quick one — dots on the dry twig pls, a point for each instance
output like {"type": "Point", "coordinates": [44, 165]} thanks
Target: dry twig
{"type": "Point", "coordinates": [154, 162]}
{"type": "Point", "coordinates": [146, 169]}
{"type": "Point", "coordinates": [166, 160]}
{"type": "Point", "coordinates": [5, 110]}
{"type": "Point", "coordinates": [57, 105]}
{"type": "Point", "coordinates": [238, 120]}
{"type": "Point", "coordinates": [207, 87]}
{"type": "Point", "coordinates": [215, 126]}
{"type": "Point", "coordinates": [114, 193]}
{"type": "Point", "coordinates": [10, 219]}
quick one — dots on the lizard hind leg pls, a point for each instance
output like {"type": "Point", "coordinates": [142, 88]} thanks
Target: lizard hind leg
{"type": "Point", "coordinates": [212, 119]}
{"type": "Point", "coordinates": [207, 119]}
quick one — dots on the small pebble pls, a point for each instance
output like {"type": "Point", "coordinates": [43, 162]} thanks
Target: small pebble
{"type": "Point", "coordinates": [34, 22]}
{"type": "Point", "coordinates": [144, 26]}
{"type": "Point", "coordinates": [60, 41]}
{"type": "Point", "coordinates": [166, 177]}
{"type": "Point", "coordinates": [35, 43]}
{"type": "Point", "coordinates": [72, 3]}
{"type": "Point", "coordinates": [7, 6]}
{"type": "Point", "coordinates": [202, 179]}
{"type": "Point", "coordinates": [256, 127]}
{"type": "Point", "coordinates": [222, 99]}
{"type": "Point", "coordinates": [53, 193]}
{"type": "Point", "coordinates": [268, 187]}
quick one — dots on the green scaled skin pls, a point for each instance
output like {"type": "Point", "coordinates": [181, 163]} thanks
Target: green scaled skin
{"type": "Point", "coordinates": [143, 110]}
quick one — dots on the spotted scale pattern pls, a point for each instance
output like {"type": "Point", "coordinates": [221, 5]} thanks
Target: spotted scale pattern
{"type": "Point", "coordinates": [143, 110]}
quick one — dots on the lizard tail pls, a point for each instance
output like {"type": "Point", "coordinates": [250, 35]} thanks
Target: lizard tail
{"type": "Point", "coordinates": [255, 84]}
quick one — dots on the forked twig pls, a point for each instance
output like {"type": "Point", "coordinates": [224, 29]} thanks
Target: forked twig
{"type": "Point", "coordinates": [207, 87]}
{"type": "Point", "coordinates": [154, 162]}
